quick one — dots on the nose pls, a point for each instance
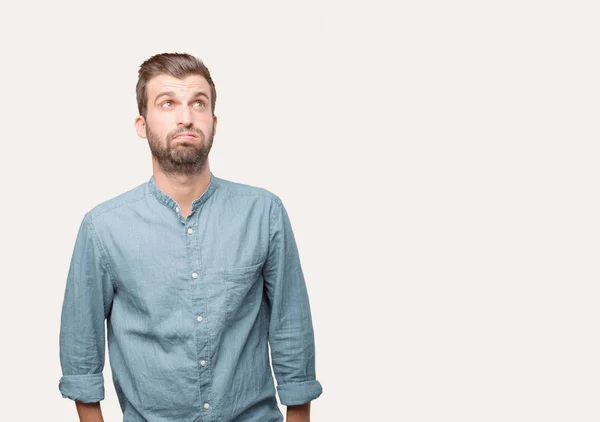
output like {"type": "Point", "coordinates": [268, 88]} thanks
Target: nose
{"type": "Point", "coordinates": [184, 116]}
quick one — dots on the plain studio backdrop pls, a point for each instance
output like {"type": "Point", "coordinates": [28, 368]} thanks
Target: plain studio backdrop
{"type": "Point", "coordinates": [438, 160]}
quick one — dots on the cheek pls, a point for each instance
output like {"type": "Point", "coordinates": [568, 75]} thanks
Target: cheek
{"type": "Point", "coordinates": [161, 125]}
{"type": "Point", "coordinates": [205, 121]}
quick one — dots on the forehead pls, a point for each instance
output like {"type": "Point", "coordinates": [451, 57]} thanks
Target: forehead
{"type": "Point", "coordinates": [186, 86]}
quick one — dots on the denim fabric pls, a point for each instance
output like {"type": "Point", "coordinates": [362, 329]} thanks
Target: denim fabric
{"type": "Point", "coordinates": [191, 305]}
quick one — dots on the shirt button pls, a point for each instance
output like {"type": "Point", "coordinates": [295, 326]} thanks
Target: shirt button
{"type": "Point", "coordinates": [199, 318]}
{"type": "Point", "coordinates": [190, 231]}
{"type": "Point", "coordinates": [206, 405]}
{"type": "Point", "coordinates": [194, 275]}
{"type": "Point", "coordinates": [202, 363]}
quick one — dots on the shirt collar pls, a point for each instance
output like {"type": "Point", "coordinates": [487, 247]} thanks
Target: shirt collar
{"type": "Point", "coordinates": [166, 200]}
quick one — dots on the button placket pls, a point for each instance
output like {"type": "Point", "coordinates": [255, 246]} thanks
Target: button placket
{"type": "Point", "coordinates": [202, 331]}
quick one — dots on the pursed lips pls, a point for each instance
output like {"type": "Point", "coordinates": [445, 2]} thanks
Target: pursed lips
{"type": "Point", "coordinates": [187, 135]}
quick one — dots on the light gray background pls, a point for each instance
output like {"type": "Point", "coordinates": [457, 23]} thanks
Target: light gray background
{"type": "Point", "coordinates": [439, 162]}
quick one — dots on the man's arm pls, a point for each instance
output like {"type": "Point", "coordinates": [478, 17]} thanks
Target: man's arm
{"type": "Point", "coordinates": [87, 302]}
{"type": "Point", "coordinates": [89, 412]}
{"type": "Point", "coordinates": [291, 336]}
{"type": "Point", "coordinates": [298, 413]}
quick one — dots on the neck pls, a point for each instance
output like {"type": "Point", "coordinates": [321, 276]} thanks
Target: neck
{"type": "Point", "coordinates": [183, 188]}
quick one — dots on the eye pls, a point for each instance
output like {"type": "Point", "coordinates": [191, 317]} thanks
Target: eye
{"type": "Point", "coordinates": [167, 103]}
{"type": "Point", "coordinates": [200, 103]}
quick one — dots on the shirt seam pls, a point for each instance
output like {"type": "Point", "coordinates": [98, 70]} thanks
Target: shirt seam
{"type": "Point", "coordinates": [94, 214]}
{"type": "Point", "coordinates": [83, 375]}
{"type": "Point", "coordinates": [295, 383]}
{"type": "Point", "coordinates": [279, 204]}
{"type": "Point", "coordinates": [98, 242]}
{"type": "Point", "coordinates": [267, 195]}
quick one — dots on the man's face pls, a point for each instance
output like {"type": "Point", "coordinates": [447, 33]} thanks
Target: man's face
{"type": "Point", "coordinates": [179, 123]}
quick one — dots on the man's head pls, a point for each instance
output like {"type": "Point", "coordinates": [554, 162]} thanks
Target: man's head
{"type": "Point", "coordinates": [176, 100]}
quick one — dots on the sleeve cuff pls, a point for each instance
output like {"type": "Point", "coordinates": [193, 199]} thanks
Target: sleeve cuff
{"type": "Point", "coordinates": [87, 388]}
{"type": "Point", "coordinates": [299, 392]}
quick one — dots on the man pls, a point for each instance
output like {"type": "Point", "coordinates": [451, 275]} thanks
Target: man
{"type": "Point", "coordinates": [195, 276]}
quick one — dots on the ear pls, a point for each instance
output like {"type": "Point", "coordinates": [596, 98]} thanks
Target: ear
{"type": "Point", "coordinates": [140, 126]}
{"type": "Point", "coordinates": [215, 120]}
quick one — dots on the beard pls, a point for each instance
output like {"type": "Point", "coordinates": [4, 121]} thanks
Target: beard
{"type": "Point", "coordinates": [184, 158]}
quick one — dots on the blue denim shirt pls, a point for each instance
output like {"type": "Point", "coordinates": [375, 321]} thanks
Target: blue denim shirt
{"type": "Point", "coordinates": [191, 305]}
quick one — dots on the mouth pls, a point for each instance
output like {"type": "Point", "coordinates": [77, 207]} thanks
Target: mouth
{"type": "Point", "coordinates": [186, 135]}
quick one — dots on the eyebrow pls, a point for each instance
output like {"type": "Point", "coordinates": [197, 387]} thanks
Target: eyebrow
{"type": "Point", "coordinates": [172, 94]}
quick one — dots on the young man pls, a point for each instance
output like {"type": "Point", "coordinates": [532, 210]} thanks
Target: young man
{"type": "Point", "coordinates": [195, 276]}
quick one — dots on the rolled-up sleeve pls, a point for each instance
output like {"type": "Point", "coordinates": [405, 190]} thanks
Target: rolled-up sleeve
{"type": "Point", "coordinates": [291, 336]}
{"type": "Point", "coordinates": [87, 302]}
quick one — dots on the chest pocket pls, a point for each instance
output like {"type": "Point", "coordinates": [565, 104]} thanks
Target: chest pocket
{"type": "Point", "coordinates": [244, 291]}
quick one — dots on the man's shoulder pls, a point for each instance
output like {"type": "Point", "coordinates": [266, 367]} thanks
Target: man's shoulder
{"type": "Point", "coordinates": [242, 190]}
{"type": "Point", "coordinates": [127, 198]}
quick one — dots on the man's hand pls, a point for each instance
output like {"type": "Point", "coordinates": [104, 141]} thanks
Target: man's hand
{"type": "Point", "coordinates": [298, 413]}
